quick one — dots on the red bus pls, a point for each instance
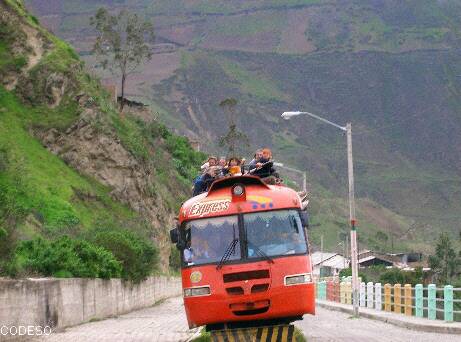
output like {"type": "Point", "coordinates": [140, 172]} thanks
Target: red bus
{"type": "Point", "coordinates": [245, 254]}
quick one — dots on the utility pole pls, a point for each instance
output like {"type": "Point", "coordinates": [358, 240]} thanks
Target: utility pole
{"type": "Point", "coordinates": [350, 172]}
{"type": "Point", "coordinates": [352, 219]}
{"type": "Point", "coordinates": [321, 255]}
{"type": "Point", "coordinates": [304, 181]}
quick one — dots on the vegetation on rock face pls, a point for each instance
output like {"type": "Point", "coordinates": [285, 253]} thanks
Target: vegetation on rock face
{"type": "Point", "coordinates": [51, 212]}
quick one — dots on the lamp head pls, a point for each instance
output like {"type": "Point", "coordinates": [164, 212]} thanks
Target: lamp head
{"type": "Point", "coordinates": [288, 115]}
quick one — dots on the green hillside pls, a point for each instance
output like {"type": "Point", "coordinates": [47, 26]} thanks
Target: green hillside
{"type": "Point", "coordinates": [43, 199]}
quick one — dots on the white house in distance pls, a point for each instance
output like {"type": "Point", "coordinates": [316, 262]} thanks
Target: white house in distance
{"type": "Point", "coordinates": [330, 263]}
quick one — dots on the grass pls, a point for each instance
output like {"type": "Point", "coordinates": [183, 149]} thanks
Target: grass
{"type": "Point", "coordinates": [250, 83]}
{"type": "Point", "coordinates": [48, 186]}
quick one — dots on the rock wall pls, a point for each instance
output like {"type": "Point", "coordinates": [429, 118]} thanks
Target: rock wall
{"type": "Point", "coordinates": [61, 303]}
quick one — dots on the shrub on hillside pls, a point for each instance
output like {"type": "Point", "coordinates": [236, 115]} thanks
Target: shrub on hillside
{"type": "Point", "coordinates": [175, 259]}
{"type": "Point", "coordinates": [137, 255]}
{"type": "Point", "coordinates": [397, 276]}
{"type": "Point", "coordinates": [63, 257]}
{"type": "Point", "coordinates": [185, 159]}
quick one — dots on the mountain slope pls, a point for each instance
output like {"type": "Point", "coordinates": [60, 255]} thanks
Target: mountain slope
{"type": "Point", "coordinates": [69, 163]}
{"type": "Point", "coordinates": [391, 68]}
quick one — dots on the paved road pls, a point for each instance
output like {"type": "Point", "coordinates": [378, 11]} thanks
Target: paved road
{"type": "Point", "coordinates": [167, 322]}
{"type": "Point", "coordinates": [163, 323]}
{"type": "Point", "coordinates": [333, 326]}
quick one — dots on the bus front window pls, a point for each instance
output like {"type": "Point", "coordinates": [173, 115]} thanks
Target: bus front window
{"type": "Point", "coordinates": [208, 239]}
{"type": "Point", "coordinates": [274, 233]}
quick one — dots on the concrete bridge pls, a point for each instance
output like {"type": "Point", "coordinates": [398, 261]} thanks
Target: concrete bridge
{"type": "Point", "coordinates": [109, 310]}
{"type": "Point", "coordinates": [167, 322]}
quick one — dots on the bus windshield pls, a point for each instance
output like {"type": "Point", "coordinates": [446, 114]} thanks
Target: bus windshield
{"type": "Point", "coordinates": [274, 233]}
{"type": "Point", "coordinates": [267, 234]}
{"type": "Point", "coordinates": [207, 240]}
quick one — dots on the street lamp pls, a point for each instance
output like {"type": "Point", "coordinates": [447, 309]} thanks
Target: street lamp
{"type": "Point", "coordinates": [353, 221]}
{"type": "Point", "coordinates": [303, 173]}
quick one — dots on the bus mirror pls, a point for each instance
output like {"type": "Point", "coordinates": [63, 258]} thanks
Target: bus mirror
{"type": "Point", "coordinates": [304, 218]}
{"type": "Point", "coordinates": [174, 235]}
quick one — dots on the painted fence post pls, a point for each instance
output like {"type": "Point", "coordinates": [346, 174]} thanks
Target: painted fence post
{"type": "Point", "coordinates": [370, 296]}
{"type": "Point", "coordinates": [337, 292]}
{"type": "Point", "coordinates": [448, 303]}
{"type": "Point", "coordinates": [408, 300]}
{"type": "Point", "coordinates": [320, 286]}
{"type": "Point", "coordinates": [342, 292]}
{"type": "Point", "coordinates": [431, 301]}
{"type": "Point", "coordinates": [419, 302]}
{"type": "Point", "coordinates": [397, 298]}
{"type": "Point", "coordinates": [387, 297]}
{"type": "Point", "coordinates": [348, 293]}
{"type": "Point", "coordinates": [330, 291]}
{"type": "Point", "coordinates": [362, 294]}
{"type": "Point", "coordinates": [324, 290]}
{"type": "Point", "coordinates": [378, 298]}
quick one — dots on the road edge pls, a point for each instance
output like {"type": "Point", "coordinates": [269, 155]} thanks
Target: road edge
{"type": "Point", "coordinates": [378, 316]}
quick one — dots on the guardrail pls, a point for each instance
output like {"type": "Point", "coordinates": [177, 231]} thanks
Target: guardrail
{"type": "Point", "coordinates": [431, 301]}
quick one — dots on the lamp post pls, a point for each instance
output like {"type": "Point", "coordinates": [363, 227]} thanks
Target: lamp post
{"type": "Point", "coordinates": [303, 173]}
{"type": "Point", "coordinates": [352, 218]}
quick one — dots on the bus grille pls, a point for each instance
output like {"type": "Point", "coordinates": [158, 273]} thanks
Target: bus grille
{"type": "Point", "coordinates": [248, 275]}
{"type": "Point", "coordinates": [234, 290]}
{"type": "Point", "coordinates": [259, 288]}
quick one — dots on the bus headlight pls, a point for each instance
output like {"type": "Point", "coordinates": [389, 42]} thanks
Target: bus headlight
{"type": "Point", "coordinates": [197, 291]}
{"type": "Point", "coordinates": [298, 279]}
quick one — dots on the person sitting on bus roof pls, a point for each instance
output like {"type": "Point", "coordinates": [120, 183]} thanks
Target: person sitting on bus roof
{"type": "Point", "coordinates": [211, 161]}
{"type": "Point", "coordinates": [257, 157]}
{"type": "Point", "coordinates": [242, 165]}
{"type": "Point", "coordinates": [234, 167]}
{"type": "Point", "coordinates": [224, 171]}
{"type": "Point", "coordinates": [202, 182]}
{"type": "Point", "coordinates": [264, 167]}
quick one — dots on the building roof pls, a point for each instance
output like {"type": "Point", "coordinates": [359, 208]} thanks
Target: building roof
{"type": "Point", "coordinates": [372, 257]}
{"type": "Point", "coordinates": [333, 260]}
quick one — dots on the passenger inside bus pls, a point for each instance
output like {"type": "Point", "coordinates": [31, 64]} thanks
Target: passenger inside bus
{"type": "Point", "coordinates": [207, 240]}
{"type": "Point", "coordinates": [275, 233]}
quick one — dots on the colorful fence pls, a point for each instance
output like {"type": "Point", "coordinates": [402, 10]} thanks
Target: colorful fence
{"type": "Point", "coordinates": [430, 302]}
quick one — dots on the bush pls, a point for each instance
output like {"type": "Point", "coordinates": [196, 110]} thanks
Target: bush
{"type": "Point", "coordinates": [347, 272]}
{"type": "Point", "coordinates": [185, 159]}
{"type": "Point", "coordinates": [63, 257]}
{"type": "Point", "coordinates": [137, 255]}
{"type": "Point", "coordinates": [175, 259]}
{"type": "Point", "coordinates": [397, 276]}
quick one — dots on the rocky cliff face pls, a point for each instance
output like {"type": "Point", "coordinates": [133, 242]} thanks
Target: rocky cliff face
{"type": "Point", "coordinates": [103, 157]}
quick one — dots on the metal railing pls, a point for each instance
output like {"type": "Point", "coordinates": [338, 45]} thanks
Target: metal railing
{"type": "Point", "coordinates": [431, 301]}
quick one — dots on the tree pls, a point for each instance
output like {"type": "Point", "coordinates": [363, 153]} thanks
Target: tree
{"type": "Point", "coordinates": [122, 42]}
{"type": "Point", "coordinates": [233, 137]}
{"type": "Point", "coordinates": [445, 262]}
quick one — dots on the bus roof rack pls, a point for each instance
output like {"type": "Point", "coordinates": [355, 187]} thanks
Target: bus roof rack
{"type": "Point", "coordinates": [229, 181]}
